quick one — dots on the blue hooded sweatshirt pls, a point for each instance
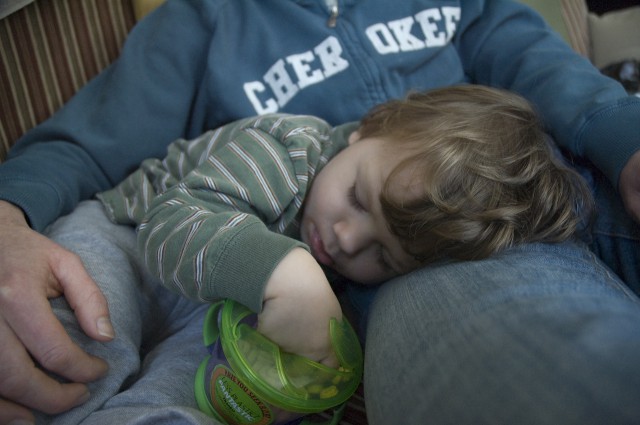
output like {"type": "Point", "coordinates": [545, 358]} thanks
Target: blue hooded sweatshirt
{"type": "Point", "coordinates": [193, 65]}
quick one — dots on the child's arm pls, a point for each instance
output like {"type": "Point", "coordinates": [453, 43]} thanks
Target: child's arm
{"type": "Point", "coordinates": [298, 305]}
{"type": "Point", "coordinates": [207, 253]}
{"type": "Point", "coordinates": [193, 252]}
{"type": "Point", "coordinates": [208, 256]}
{"type": "Point", "coordinates": [216, 231]}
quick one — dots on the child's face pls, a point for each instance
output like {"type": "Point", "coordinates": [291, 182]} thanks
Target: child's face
{"type": "Point", "coordinates": [342, 220]}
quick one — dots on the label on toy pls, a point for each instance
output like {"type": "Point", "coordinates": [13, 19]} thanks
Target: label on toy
{"type": "Point", "coordinates": [235, 402]}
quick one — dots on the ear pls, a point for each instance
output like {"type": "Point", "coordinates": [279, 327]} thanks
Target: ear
{"type": "Point", "coordinates": [354, 137]}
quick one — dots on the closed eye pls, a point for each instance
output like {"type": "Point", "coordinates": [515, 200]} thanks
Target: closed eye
{"type": "Point", "coordinates": [353, 199]}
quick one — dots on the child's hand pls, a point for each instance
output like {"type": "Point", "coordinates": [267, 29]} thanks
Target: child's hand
{"type": "Point", "coordinates": [298, 306]}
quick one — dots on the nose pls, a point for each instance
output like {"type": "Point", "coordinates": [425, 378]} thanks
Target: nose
{"type": "Point", "coordinates": [354, 235]}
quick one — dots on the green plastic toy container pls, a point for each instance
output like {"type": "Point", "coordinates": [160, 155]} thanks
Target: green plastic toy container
{"type": "Point", "coordinates": [248, 380]}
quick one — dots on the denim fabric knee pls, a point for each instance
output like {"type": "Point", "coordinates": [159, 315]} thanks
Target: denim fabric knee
{"type": "Point", "coordinates": [538, 334]}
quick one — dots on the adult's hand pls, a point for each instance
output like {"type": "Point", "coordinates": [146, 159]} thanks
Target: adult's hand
{"type": "Point", "coordinates": [629, 186]}
{"type": "Point", "coordinates": [34, 269]}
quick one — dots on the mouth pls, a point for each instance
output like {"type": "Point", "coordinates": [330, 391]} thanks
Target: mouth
{"type": "Point", "coordinates": [317, 247]}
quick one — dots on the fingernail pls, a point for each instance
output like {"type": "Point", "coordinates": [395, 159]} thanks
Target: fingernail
{"type": "Point", "coordinates": [105, 328]}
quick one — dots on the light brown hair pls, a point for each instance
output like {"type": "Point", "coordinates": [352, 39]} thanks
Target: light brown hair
{"type": "Point", "coordinates": [488, 175]}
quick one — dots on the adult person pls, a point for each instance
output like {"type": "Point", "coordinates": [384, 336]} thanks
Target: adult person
{"type": "Point", "coordinates": [530, 335]}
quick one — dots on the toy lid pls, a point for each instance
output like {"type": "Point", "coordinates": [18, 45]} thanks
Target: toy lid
{"type": "Point", "coordinates": [285, 380]}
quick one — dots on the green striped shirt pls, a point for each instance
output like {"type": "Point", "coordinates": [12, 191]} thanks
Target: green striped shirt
{"type": "Point", "coordinates": [219, 212]}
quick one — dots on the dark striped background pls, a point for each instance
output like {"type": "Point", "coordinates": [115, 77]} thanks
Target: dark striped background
{"type": "Point", "coordinates": [48, 50]}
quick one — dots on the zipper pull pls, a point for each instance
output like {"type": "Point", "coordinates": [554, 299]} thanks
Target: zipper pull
{"type": "Point", "coordinates": [333, 18]}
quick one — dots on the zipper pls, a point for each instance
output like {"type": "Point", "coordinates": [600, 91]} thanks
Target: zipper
{"type": "Point", "coordinates": [332, 5]}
